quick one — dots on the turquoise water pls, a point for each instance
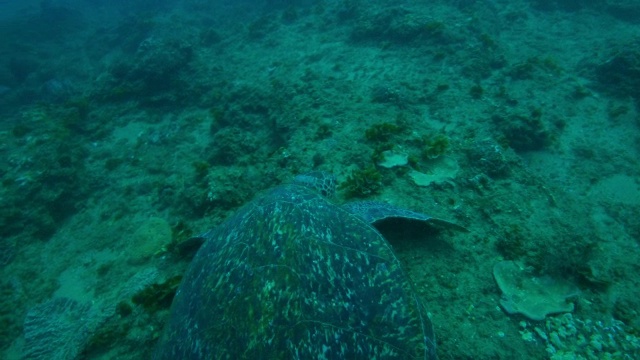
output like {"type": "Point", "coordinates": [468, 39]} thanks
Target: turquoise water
{"type": "Point", "coordinates": [127, 127]}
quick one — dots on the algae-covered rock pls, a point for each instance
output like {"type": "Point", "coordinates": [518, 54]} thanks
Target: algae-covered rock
{"type": "Point", "coordinates": [535, 297]}
{"type": "Point", "coordinates": [150, 238]}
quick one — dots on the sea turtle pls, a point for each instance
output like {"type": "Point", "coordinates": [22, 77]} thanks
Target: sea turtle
{"type": "Point", "coordinates": [294, 276]}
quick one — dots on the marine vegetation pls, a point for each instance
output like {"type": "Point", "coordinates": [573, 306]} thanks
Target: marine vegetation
{"type": "Point", "coordinates": [362, 183]}
{"type": "Point", "coordinates": [435, 146]}
{"type": "Point", "coordinates": [157, 296]}
{"type": "Point", "coordinates": [382, 132]}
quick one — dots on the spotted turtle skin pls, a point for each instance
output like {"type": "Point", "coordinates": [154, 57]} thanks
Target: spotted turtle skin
{"type": "Point", "coordinates": [293, 276]}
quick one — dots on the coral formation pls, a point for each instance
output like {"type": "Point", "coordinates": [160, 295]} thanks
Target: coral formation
{"type": "Point", "coordinates": [568, 337]}
{"type": "Point", "coordinates": [391, 159]}
{"type": "Point", "coordinates": [532, 296]}
{"type": "Point", "coordinates": [438, 172]}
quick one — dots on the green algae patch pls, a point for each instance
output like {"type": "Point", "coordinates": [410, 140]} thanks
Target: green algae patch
{"type": "Point", "coordinates": [535, 297]}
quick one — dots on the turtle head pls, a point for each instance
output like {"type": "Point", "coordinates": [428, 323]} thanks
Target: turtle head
{"type": "Point", "coordinates": [323, 182]}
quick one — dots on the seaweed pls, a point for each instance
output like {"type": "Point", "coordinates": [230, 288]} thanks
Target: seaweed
{"type": "Point", "coordinates": [382, 132]}
{"type": "Point", "coordinates": [124, 309]}
{"type": "Point", "coordinates": [512, 242]}
{"type": "Point", "coordinates": [113, 163]}
{"type": "Point", "coordinates": [201, 169]}
{"type": "Point", "coordinates": [323, 131]}
{"type": "Point", "coordinates": [435, 146]}
{"type": "Point", "coordinates": [362, 183]}
{"type": "Point", "coordinates": [156, 297]}
{"type": "Point", "coordinates": [378, 153]}
{"type": "Point", "coordinates": [476, 91]}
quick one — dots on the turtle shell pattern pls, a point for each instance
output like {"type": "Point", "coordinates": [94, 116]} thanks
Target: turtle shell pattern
{"type": "Point", "coordinates": [292, 275]}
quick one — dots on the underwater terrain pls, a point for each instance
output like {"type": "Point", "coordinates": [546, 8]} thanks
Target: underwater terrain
{"type": "Point", "coordinates": [128, 127]}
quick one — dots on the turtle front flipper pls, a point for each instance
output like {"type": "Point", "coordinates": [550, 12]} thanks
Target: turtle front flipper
{"type": "Point", "coordinates": [374, 212]}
